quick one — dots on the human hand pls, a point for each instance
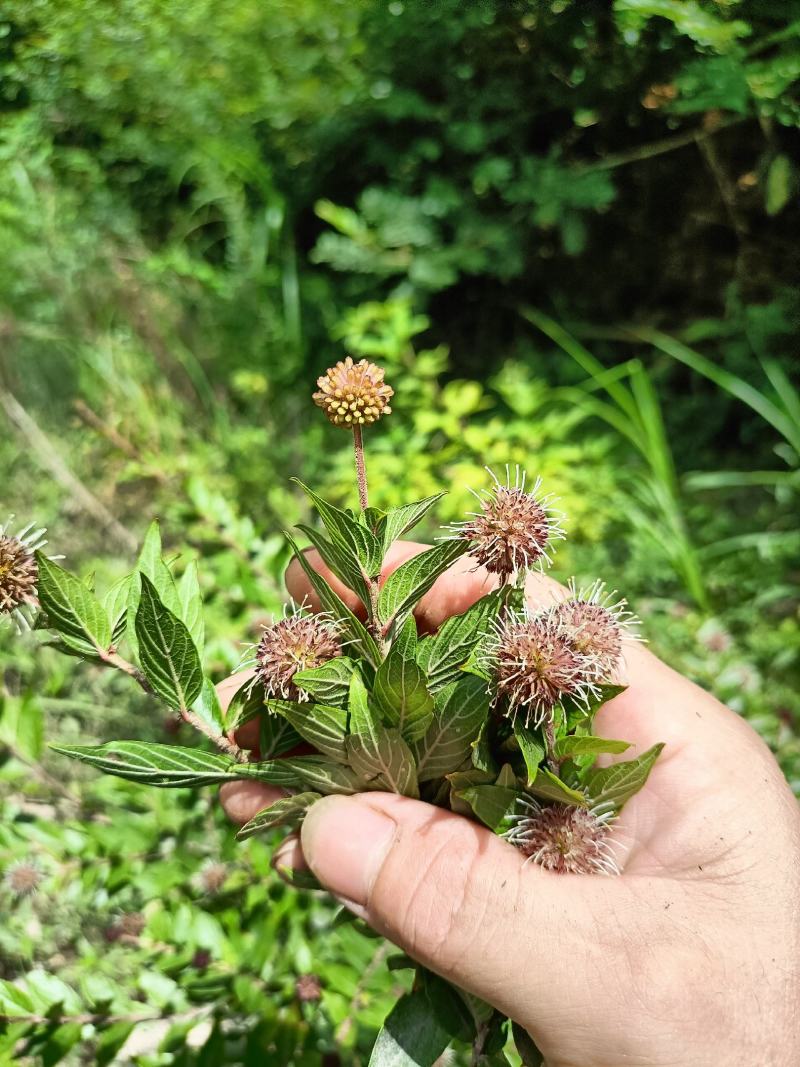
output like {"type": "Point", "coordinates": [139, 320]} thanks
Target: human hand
{"type": "Point", "coordinates": [690, 957]}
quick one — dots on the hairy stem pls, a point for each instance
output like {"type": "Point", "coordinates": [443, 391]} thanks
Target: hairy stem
{"type": "Point", "coordinates": [550, 743]}
{"type": "Point", "coordinates": [224, 744]}
{"type": "Point", "coordinates": [361, 470]}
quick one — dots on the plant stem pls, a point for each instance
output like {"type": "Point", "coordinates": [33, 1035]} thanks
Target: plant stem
{"type": "Point", "coordinates": [361, 470]}
{"type": "Point", "coordinates": [550, 743]}
{"type": "Point", "coordinates": [223, 743]}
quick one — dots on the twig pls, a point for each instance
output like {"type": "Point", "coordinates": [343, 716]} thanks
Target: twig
{"type": "Point", "coordinates": [51, 461]}
{"type": "Point", "coordinates": [656, 148]}
{"type": "Point", "coordinates": [223, 743]}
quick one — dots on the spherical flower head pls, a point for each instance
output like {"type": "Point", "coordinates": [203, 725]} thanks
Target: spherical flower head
{"type": "Point", "coordinates": [308, 988]}
{"type": "Point", "coordinates": [535, 666]}
{"type": "Point", "coordinates": [23, 879]}
{"type": "Point", "coordinates": [211, 877]}
{"type": "Point", "coordinates": [353, 394]}
{"type": "Point", "coordinates": [297, 643]}
{"type": "Point", "coordinates": [597, 625]}
{"type": "Point", "coordinates": [514, 529]}
{"type": "Point", "coordinates": [18, 569]}
{"type": "Point", "coordinates": [564, 839]}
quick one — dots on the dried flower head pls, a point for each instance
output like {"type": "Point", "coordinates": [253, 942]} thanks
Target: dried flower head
{"type": "Point", "coordinates": [597, 625]}
{"type": "Point", "coordinates": [514, 529]}
{"type": "Point", "coordinates": [19, 572]}
{"type": "Point", "coordinates": [308, 988]}
{"type": "Point", "coordinates": [564, 839]}
{"type": "Point", "coordinates": [353, 394]}
{"type": "Point", "coordinates": [22, 879]}
{"type": "Point", "coordinates": [212, 877]}
{"type": "Point", "coordinates": [535, 665]}
{"type": "Point", "coordinates": [298, 642]}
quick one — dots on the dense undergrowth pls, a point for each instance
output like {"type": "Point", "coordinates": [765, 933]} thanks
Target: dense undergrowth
{"type": "Point", "coordinates": [565, 229]}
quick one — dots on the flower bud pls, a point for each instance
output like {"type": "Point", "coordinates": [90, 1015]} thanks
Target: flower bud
{"type": "Point", "coordinates": [564, 839]}
{"type": "Point", "coordinates": [297, 643]}
{"type": "Point", "coordinates": [353, 394]}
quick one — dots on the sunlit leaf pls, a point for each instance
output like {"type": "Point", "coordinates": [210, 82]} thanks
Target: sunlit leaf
{"type": "Point", "coordinates": [72, 609]}
{"type": "Point", "coordinates": [166, 651]}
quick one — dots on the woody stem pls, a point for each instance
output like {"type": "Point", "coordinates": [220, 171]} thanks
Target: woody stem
{"type": "Point", "coordinates": [361, 470]}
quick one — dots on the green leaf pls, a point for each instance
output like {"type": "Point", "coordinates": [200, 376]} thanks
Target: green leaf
{"type": "Point", "coordinates": [442, 656]}
{"type": "Point", "coordinates": [288, 811]}
{"type": "Point", "coordinates": [461, 780]}
{"type": "Point", "coordinates": [191, 605]}
{"type": "Point", "coordinates": [549, 787]}
{"type": "Point", "coordinates": [166, 651]}
{"type": "Point", "coordinates": [348, 533]}
{"type": "Point", "coordinates": [401, 694]}
{"type": "Point", "coordinates": [584, 745]}
{"type": "Point", "coordinates": [412, 579]}
{"type": "Point", "coordinates": [611, 787]}
{"type": "Point", "coordinates": [152, 566]}
{"type": "Point", "coordinates": [531, 748]}
{"type": "Point", "coordinates": [322, 726]}
{"type": "Point", "coordinates": [482, 757]}
{"type": "Point", "coordinates": [490, 803]}
{"type": "Point", "coordinates": [316, 773]}
{"type": "Point", "coordinates": [71, 609]}
{"type": "Point", "coordinates": [246, 703]}
{"type": "Point", "coordinates": [380, 756]}
{"type": "Point", "coordinates": [158, 765]}
{"type": "Point", "coordinates": [207, 708]}
{"type": "Point", "coordinates": [447, 1005]}
{"type": "Point", "coordinates": [781, 183]}
{"type": "Point", "coordinates": [411, 1036]}
{"type": "Point", "coordinates": [115, 603]}
{"type": "Point", "coordinates": [353, 627]}
{"type": "Point", "coordinates": [400, 520]}
{"type": "Point", "coordinates": [459, 711]}
{"type": "Point", "coordinates": [330, 683]}
{"type": "Point", "coordinates": [405, 639]}
{"type": "Point", "coordinates": [526, 1047]}
{"type": "Point", "coordinates": [341, 562]}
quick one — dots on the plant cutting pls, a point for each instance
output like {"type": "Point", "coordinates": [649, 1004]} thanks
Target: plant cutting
{"type": "Point", "coordinates": [491, 716]}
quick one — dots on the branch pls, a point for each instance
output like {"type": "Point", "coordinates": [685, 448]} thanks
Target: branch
{"type": "Point", "coordinates": [657, 148]}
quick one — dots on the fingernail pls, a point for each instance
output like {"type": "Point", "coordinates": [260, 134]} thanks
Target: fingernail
{"type": "Point", "coordinates": [345, 842]}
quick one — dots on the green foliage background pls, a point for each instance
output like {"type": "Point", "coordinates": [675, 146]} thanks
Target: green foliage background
{"type": "Point", "coordinates": [569, 232]}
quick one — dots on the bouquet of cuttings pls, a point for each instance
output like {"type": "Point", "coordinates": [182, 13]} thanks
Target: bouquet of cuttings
{"type": "Point", "coordinates": [491, 716]}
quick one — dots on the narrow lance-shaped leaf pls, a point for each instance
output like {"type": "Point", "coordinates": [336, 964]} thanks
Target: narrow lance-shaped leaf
{"type": "Point", "coordinates": [288, 811]}
{"type": "Point", "coordinates": [347, 532]}
{"type": "Point", "coordinates": [72, 609]}
{"type": "Point", "coordinates": [611, 787]}
{"type": "Point", "coordinates": [341, 562]}
{"type": "Point", "coordinates": [490, 803]}
{"type": "Point", "coordinates": [549, 787]}
{"type": "Point", "coordinates": [191, 605]}
{"type": "Point", "coordinates": [166, 651]}
{"type": "Point", "coordinates": [401, 694]}
{"type": "Point", "coordinates": [321, 726]}
{"type": "Point", "coordinates": [531, 747]}
{"type": "Point", "coordinates": [412, 579]}
{"type": "Point", "coordinates": [207, 708]}
{"type": "Point", "coordinates": [375, 752]}
{"type": "Point", "coordinates": [586, 745]}
{"type": "Point", "coordinates": [442, 655]}
{"type": "Point", "coordinates": [400, 520]}
{"type": "Point", "coordinates": [354, 629]}
{"type": "Point", "coordinates": [156, 764]}
{"type": "Point", "coordinates": [328, 683]}
{"type": "Point", "coordinates": [460, 709]}
{"type": "Point", "coordinates": [316, 773]}
{"type": "Point", "coordinates": [153, 567]}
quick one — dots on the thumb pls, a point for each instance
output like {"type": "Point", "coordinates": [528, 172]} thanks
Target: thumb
{"type": "Point", "coordinates": [458, 899]}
